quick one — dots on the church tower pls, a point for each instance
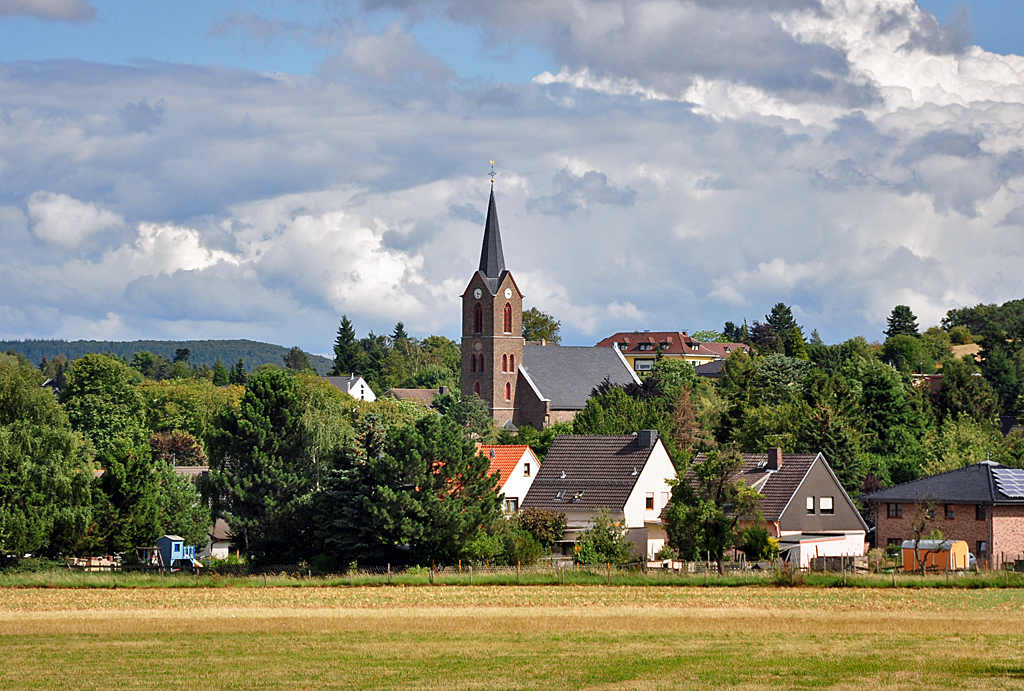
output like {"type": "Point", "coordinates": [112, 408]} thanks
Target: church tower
{"type": "Point", "coordinates": [492, 327]}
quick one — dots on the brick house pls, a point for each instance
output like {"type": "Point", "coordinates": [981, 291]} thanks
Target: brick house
{"type": "Point", "coordinates": [982, 504]}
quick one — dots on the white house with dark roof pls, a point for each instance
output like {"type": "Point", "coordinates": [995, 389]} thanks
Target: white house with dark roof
{"type": "Point", "coordinates": [626, 475]}
{"type": "Point", "coordinates": [803, 505]}
{"type": "Point", "coordinates": [354, 385]}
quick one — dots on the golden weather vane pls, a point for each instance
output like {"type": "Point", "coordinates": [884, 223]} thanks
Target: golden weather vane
{"type": "Point", "coordinates": [492, 172]}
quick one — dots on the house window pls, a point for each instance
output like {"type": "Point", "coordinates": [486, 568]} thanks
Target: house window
{"type": "Point", "coordinates": [826, 506]}
{"type": "Point", "coordinates": [645, 346]}
{"type": "Point", "coordinates": [894, 510]}
{"type": "Point", "coordinates": [644, 365]}
{"type": "Point", "coordinates": [508, 391]}
{"type": "Point", "coordinates": [950, 512]}
{"type": "Point", "coordinates": [559, 495]}
{"type": "Point", "coordinates": [478, 318]}
{"type": "Point", "coordinates": [476, 388]}
{"type": "Point", "coordinates": [810, 505]}
{"type": "Point", "coordinates": [931, 512]}
{"type": "Point", "coordinates": [526, 470]}
{"type": "Point", "coordinates": [663, 345]}
{"type": "Point", "coordinates": [508, 318]}
{"type": "Point", "coordinates": [504, 363]}
{"type": "Point", "coordinates": [982, 550]}
{"type": "Point", "coordinates": [649, 501]}
{"type": "Point", "coordinates": [623, 346]}
{"type": "Point", "coordinates": [511, 504]}
{"type": "Point", "coordinates": [979, 512]}
{"type": "Point", "coordinates": [512, 362]}
{"type": "Point", "coordinates": [894, 541]}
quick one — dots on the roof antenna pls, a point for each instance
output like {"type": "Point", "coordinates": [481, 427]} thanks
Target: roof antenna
{"type": "Point", "coordinates": [563, 474]}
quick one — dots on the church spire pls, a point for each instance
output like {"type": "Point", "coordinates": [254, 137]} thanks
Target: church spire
{"type": "Point", "coordinates": [492, 260]}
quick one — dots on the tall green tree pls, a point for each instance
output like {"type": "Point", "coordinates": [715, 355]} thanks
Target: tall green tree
{"type": "Point", "coordinates": [44, 473]}
{"type": "Point", "coordinates": [346, 349]}
{"type": "Point", "coordinates": [539, 326]}
{"type": "Point", "coordinates": [707, 505]}
{"type": "Point", "coordinates": [259, 472]}
{"type": "Point", "coordinates": [297, 361]}
{"type": "Point", "coordinates": [399, 334]}
{"type": "Point", "coordinates": [127, 501]}
{"type": "Point", "coordinates": [102, 402]}
{"type": "Point", "coordinates": [962, 393]}
{"type": "Point", "coordinates": [901, 322]}
{"type": "Point", "coordinates": [782, 322]}
{"type": "Point", "coordinates": [238, 375]}
{"type": "Point", "coordinates": [907, 354]}
{"type": "Point", "coordinates": [221, 376]}
{"type": "Point", "coordinates": [421, 485]}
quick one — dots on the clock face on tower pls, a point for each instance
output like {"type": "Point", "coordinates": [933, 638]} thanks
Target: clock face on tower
{"type": "Point", "coordinates": [508, 293]}
{"type": "Point", "coordinates": [477, 293]}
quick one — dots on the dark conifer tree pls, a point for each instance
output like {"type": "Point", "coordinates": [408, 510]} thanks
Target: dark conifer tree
{"type": "Point", "coordinates": [901, 322]}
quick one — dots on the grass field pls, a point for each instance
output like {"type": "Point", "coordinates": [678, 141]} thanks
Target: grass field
{"type": "Point", "coordinates": [508, 637]}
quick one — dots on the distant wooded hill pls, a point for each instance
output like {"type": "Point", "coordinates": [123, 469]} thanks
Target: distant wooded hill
{"type": "Point", "coordinates": [253, 353]}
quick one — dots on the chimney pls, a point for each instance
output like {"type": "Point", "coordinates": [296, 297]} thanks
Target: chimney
{"type": "Point", "coordinates": [442, 389]}
{"type": "Point", "coordinates": [645, 438]}
{"type": "Point", "coordinates": [774, 458]}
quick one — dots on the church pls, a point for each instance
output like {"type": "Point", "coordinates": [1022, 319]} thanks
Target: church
{"type": "Point", "coordinates": [523, 383]}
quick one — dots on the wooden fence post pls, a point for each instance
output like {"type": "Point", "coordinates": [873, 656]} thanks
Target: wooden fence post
{"type": "Point", "coordinates": [471, 575]}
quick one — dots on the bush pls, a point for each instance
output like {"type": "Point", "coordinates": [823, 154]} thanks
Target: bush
{"type": "Point", "coordinates": [606, 541]}
{"type": "Point", "coordinates": [546, 527]}
{"type": "Point", "coordinates": [504, 543]}
{"type": "Point", "coordinates": [757, 544]}
{"type": "Point", "coordinates": [666, 553]}
{"type": "Point", "coordinates": [787, 577]}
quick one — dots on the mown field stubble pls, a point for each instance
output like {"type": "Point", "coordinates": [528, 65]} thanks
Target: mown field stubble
{"type": "Point", "coordinates": [551, 637]}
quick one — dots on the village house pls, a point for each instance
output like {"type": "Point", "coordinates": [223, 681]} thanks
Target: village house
{"type": "Point", "coordinates": [803, 505]}
{"type": "Point", "coordinates": [626, 475]}
{"type": "Point", "coordinates": [641, 348]}
{"type": "Point", "coordinates": [982, 504]}
{"type": "Point", "coordinates": [515, 466]}
{"type": "Point", "coordinates": [354, 385]}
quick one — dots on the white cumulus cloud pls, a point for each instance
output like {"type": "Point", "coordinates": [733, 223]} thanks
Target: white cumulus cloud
{"type": "Point", "coordinates": [64, 221]}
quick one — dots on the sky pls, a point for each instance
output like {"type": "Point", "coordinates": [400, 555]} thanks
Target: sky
{"type": "Point", "coordinates": [197, 170]}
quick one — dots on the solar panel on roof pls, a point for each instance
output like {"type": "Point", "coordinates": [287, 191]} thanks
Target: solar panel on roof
{"type": "Point", "coordinates": [1010, 481]}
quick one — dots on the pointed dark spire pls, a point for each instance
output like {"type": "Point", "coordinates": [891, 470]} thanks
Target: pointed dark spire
{"type": "Point", "coordinates": [492, 260]}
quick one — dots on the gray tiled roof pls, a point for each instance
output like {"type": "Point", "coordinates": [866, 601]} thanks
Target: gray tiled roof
{"type": "Point", "coordinates": [971, 485]}
{"type": "Point", "coordinates": [604, 468]}
{"type": "Point", "coordinates": [565, 375]}
{"type": "Point", "coordinates": [492, 260]}
{"type": "Point", "coordinates": [779, 485]}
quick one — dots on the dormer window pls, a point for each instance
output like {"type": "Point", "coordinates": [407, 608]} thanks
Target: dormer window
{"type": "Point", "coordinates": [664, 345]}
{"type": "Point", "coordinates": [623, 346]}
{"type": "Point", "coordinates": [645, 346]}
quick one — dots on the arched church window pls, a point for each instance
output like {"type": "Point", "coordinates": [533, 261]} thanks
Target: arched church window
{"type": "Point", "coordinates": [480, 362]}
{"type": "Point", "coordinates": [472, 362]}
{"type": "Point", "coordinates": [476, 388]}
{"type": "Point", "coordinates": [508, 318]}
{"type": "Point", "coordinates": [512, 362]}
{"type": "Point", "coordinates": [508, 391]}
{"type": "Point", "coordinates": [478, 318]}
{"type": "Point", "coordinates": [504, 363]}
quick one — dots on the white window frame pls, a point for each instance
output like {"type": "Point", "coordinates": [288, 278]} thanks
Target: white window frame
{"type": "Point", "coordinates": [827, 506]}
{"type": "Point", "coordinates": [810, 506]}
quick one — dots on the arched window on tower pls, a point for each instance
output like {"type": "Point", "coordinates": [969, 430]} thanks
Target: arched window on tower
{"type": "Point", "coordinates": [478, 318]}
{"type": "Point", "coordinates": [508, 318]}
{"type": "Point", "coordinates": [508, 391]}
{"type": "Point", "coordinates": [504, 363]}
{"type": "Point", "coordinates": [512, 362]}
{"type": "Point", "coordinates": [476, 388]}
{"type": "Point", "coordinates": [480, 362]}
{"type": "Point", "coordinates": [472, 362]}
